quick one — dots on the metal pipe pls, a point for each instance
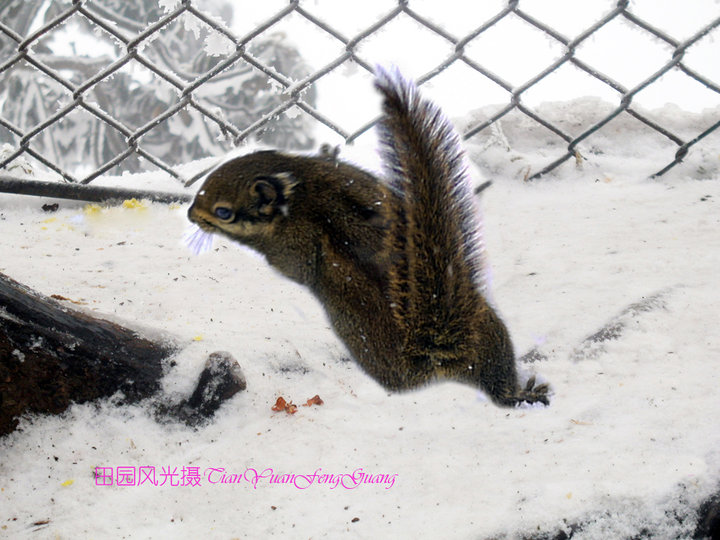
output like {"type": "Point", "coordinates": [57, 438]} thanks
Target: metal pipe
{"type": "Point", "coordinates": [82, 192]}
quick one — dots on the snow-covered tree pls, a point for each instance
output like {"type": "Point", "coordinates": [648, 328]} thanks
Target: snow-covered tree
{"type": "Point", "coordinates": [134, 95]}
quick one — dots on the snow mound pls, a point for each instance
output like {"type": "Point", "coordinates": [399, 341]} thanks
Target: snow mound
{"type": "Point", "coordinates": [517, 146]}
{"type": "Point", "coordinates": [628, 446]}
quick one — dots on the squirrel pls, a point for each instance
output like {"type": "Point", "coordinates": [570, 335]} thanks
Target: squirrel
{"type": "Point", "coordinates": [395, 262]}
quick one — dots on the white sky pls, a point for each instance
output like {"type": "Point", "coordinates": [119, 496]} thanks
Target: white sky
{"type": "Point", "coordinates": [512, 49]}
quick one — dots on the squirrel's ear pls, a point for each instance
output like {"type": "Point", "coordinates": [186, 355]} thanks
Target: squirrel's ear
{"type": "Point", "coordinates": [273, 193]}
{"type": "Point", "coordinates": [286, 182]}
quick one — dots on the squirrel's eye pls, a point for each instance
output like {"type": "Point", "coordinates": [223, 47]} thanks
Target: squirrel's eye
{"type": "Point", "coordinates": [223, 213]}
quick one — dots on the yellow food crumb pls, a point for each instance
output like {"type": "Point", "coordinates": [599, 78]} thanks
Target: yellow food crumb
{"type": "Point", "coordinates": [198, 338]}
{"type": "Point", "coordinates": [92, 209]}
{"type": "Point", "coordinates": [67, 483]}
{"type": "Point", "coordinates": [569, 495]}
{"type": "Point", "coordinates": [134, 203]}
{"type": "Point", "coordinates": [49, 220]}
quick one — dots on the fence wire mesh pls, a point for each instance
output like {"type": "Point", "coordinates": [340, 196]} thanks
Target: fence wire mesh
{"type": "Point", "coordinates": [72, 86]}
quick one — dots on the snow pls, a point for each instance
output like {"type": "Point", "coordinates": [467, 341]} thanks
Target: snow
{"type": "Point", "coordinates": [629, 441]}
{"type": "Point", "coordinates": [218, 45]}
{"type": "Point", "coordinates": [169, 5]}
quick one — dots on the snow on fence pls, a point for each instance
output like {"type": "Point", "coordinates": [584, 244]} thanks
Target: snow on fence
{"type": "Point", "coordinates": [93, 88]}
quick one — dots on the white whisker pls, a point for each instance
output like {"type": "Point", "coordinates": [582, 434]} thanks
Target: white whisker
{"type": "Point", "coordinates": [198, 240]}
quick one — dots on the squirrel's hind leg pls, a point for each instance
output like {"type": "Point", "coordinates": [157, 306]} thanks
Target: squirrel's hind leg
{"type": "Point", "coordinates": [529, 394]}
{"type": "Point", "coordinates": [499, 381]}
{"type": "Point", "coordinates": [534, 394]}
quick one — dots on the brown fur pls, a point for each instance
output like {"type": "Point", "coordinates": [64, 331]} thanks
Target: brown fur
{"type": "Point", "coordinates": [393, 263]}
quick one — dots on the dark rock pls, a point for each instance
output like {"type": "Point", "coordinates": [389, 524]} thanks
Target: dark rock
{"type": "Point", "coordinates": [220, 380]}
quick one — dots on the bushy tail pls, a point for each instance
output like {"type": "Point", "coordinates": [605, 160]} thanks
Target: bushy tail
{"type": "Point", "coordinates": [436, 265]}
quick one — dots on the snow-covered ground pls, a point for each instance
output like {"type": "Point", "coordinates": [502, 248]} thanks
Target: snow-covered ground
{"type": "Point", "coordinates": [630, 441]}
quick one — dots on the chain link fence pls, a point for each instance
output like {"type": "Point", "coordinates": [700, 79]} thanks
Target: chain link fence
{"type": "Point", "coordinates": [36, 138]}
